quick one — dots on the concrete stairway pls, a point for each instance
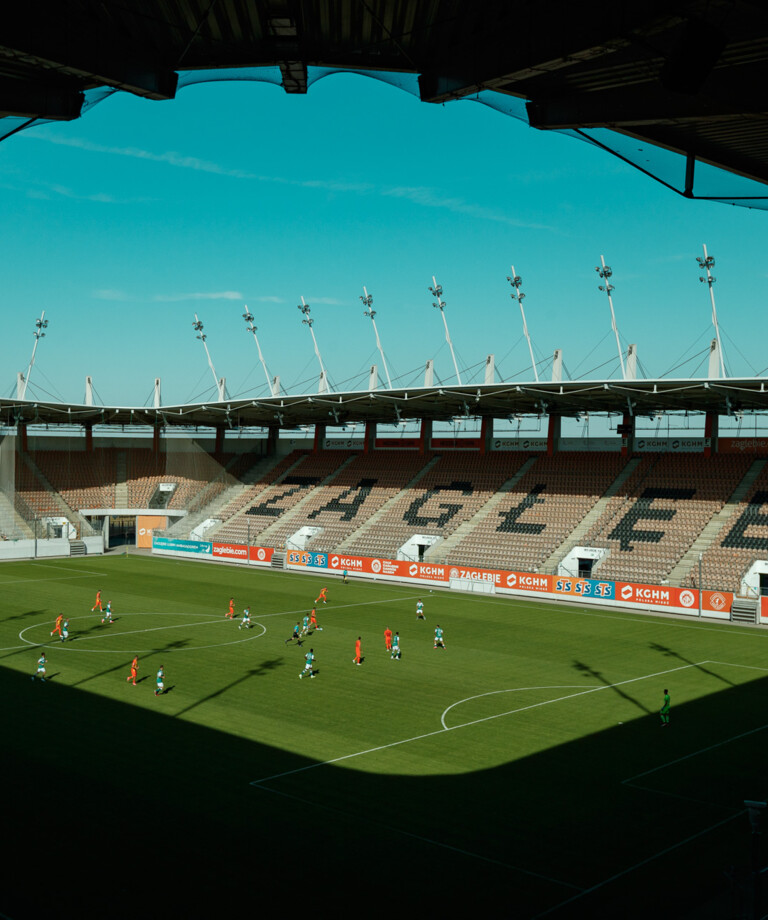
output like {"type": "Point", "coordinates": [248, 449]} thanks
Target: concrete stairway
{"type": "Point", "coordinates": [121, 480]}
{"type": "Point", "coordinates": [183, 526]}
{"type": "Point", "coordinates": [296, 512]}
{"type": "Point", "coordinates": [12, 524]}
{"type": "Point", "coordinates": [74, 517]}
{"type": "Point", "coordinates": [680, 574]}
{"type": "Point", "coordinates": [252, 475]}
{"type": "Point", "coordinates": [442, 549]}
{"type": "Point", "coordinates": [371, 522]}
{"type": "Point", "coordinates": [575, 537]}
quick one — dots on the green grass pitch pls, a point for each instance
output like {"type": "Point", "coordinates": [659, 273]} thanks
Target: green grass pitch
{"type": "Point", "coordinates": [523, 769]}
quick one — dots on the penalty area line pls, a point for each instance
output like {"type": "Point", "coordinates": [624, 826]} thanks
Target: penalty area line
{"type": "Point", "coordinates": [638, 865]}
{"type": "Point", "coordinates": [442, 730]}
{"type": "Point", "coordinates": [428, 840]}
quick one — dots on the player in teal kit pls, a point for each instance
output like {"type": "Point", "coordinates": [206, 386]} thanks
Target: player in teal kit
{"type": "Point", "coordinates": [246, 623]}
{"type": "Point", "coordinates": [439, 643]}
{"type": "Point", "coordinates": [160, 681]}
{"type": "Point", "coordinates": [40, 668]}
{"type": "Point", "coordinates": [420, 610]}
{"type": "Point", "coordinates": [309, 667]}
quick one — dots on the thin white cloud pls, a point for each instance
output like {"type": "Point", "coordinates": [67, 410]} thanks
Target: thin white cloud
{"type": "Point", "coordinates": [110, 294]}
{"type": "Point", "coordinates": [266, 299]}
{"type": "Point", "coordinates": [418, 195]}
{"type": "Point", "coordinates": [198, 295]}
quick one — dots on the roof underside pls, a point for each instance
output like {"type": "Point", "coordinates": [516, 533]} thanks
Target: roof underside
{"type": "Point", "coordinates": [636, 397]}
{"type": "Point", "coordinates": [686, 76]}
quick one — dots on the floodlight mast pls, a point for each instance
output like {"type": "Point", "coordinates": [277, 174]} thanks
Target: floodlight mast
{"type": "Point", "coordinates": [248, 317]}
{"type": "Point", "coordinates": [40, 325]}
{"type": "Point", "coordinates": [708, 263]}
{"type": "Point", "coordinates": [437, 291]}
{"type": "Point", "coordinates": [516, 281]}
{"type": "Point", "coordinates": [605, 273]}
{"type": "Point", "coordinates": [308, 321]}
{"type": "Point", "coordinates": [198, 327]}
{"type": "Point", "coordinates": [368, 304]}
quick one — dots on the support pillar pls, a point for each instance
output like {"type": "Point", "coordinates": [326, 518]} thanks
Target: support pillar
{"type": "Point", "coordinates": [273, 435]}
{"type": "Point", "coordinates": [22, 430]}
{"type": "Point", "coordinates": [88, 438]}
{"type": "Point", "coordinates": [627, 431]}
{"type": "Point", "coordinates": [369, 441]}
{"type": "Point", "coordinates": [425, 436]}
{"type": "Point", "coordinates": [711, 433]}
{"type": "Point", "coordinates": [219, 448]}
{"type": "Point", "coordinates": [319, 437]}
{"type": "Point", "coordinates": [486, 434]}
{"type": "Point", "coordinates": [553, 434]}
{"type": "Point", "coordinates": [156, 441]}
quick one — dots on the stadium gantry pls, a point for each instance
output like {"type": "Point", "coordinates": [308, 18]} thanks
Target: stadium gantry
{"type": "Point", "coordinates": [671, 89]}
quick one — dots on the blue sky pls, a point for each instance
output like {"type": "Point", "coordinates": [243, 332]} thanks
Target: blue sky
{"type": "Point", "coordinates": [123, 224]}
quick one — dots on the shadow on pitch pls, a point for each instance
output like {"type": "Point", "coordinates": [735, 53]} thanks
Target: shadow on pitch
{"type": "Point", "coordinates": [591, 672]}
{"type": "Point", "coordinates": [671, 653]}
{"type": "Point", "coordinates": [260, 671]}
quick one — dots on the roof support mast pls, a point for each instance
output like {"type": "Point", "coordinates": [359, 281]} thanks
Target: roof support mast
{"type": "Point", "coordinates": [605, 273]}
{"type": "Point", "coordinates": [219, 383]}
{"type": "Point", "coordinates": [308, 321]}
{"type": "Point", "coordinates": [368, 304]}
{"type": "Point", "coordinates": [23, 382]}
{"type": "Point", "coordinates": [248, 317]}
{"type": "Point", "coordinates": [437, 291]}
{"type": "Point", "coordinates": [516, 281]}
{"type": "Point", "coordinates": [708, 263]}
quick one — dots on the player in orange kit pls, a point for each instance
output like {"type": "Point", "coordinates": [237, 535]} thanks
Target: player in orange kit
{"type": "Point", "coordinates": [321, 596]}
{"type": "Point", "coordinates": [134, 670]}
{"type": "Point", "coordinates": [358, 654]}
{"type": "Point", "coordinates": [57, 627]}
{"type": "Point", "coordinates": [231, 614]}
{"type": "Point", "coordinates": [97, 605]}
{"type": "Point", "coordinates": [388, 639]}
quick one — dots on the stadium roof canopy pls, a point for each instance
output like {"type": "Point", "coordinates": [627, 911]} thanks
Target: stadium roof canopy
{"type": "Point", "coordinates": [663, 84]}
{"type": "Point", "coordinates": [571, 398]}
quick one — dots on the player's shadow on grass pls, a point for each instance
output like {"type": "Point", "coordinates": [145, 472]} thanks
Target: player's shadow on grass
{"type": "Point", "coordinates": [263, 669]}
{"type": "Point", "coordinates": [671, 653]}
{"type": "Point", "coordinates": [591, 672]}
{"type": "Point", "coordinates": [27, 613]}
{"type": "Point", "coordinates": [126, 665]}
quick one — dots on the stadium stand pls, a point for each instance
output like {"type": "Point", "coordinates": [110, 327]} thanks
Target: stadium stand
{"type": "Point", "coordinates": [659, 512]}
{"type": "Point", "coordinates": [525, 527]}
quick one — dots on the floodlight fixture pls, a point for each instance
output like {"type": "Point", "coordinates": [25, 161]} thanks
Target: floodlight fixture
{"type": "Point", "coordinates": [303, 307]}
{"type": "Point", "coordinates": [437, 291]}
{"type": "Point", "coordinates": [250, 327]}
{"type": "Point", "coordinates": [218, 383]}
{"type": "Point", "coordinates": [605, 272]}
{"type": "Point", "coordinates": [23, 380]}
{"type": "Point", "coordinates": [707, 263]}
{"type": "Point", "coordinates": [367, 301]}
{"type": "Point", "coordinates": [515, 280]}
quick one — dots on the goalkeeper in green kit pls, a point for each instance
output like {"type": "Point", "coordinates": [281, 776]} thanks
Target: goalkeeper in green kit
{"type": "Point", "coordinates": [664, 711]}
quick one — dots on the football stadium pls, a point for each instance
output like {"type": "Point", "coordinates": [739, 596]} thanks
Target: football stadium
{"type": "Point", "coordinates": [491, 642]}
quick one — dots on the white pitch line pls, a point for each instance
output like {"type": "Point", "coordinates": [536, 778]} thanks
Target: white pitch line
{"type": "Point", "coordinates": [285, 613]}
{"type": "Point", "coordinates": [511, 690]}
{"type": "Point", "coordinates": [29, 581]}
{"type": "Point", "coordinates": [441, 731]}
{"type": "Point", "coordinates": [711, 747]}
{"type": "Point", "coordinates": [64, 568]}
{"type": "Point", "coordinates": [429, 840]}
{"type": "Point", "coordinates": [732, 664]}
{"type": "Point", "coordinates": [638, 865]}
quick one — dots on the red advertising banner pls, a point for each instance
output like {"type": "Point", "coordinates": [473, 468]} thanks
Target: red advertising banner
{"type": "Point", "coordinates": [716, 601]}
{"type": "Point", "coordinates": [396, 443]}
{"type": "Point", "coordinates": [764, 608]}
{"type": "Point", "coordinates": [742, 445]}
{"type": "Point", "coordinates": [456, 443]}
{"type": "Point", "coordinates": [260, 554]}
{"type": "Point", "coordinates": [234, 551]}
{"type": "Point", "coordinates": [656, 595]}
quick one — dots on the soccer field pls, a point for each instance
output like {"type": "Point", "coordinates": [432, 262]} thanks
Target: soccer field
{"type": "Point", "coordinates": [523, 769]}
